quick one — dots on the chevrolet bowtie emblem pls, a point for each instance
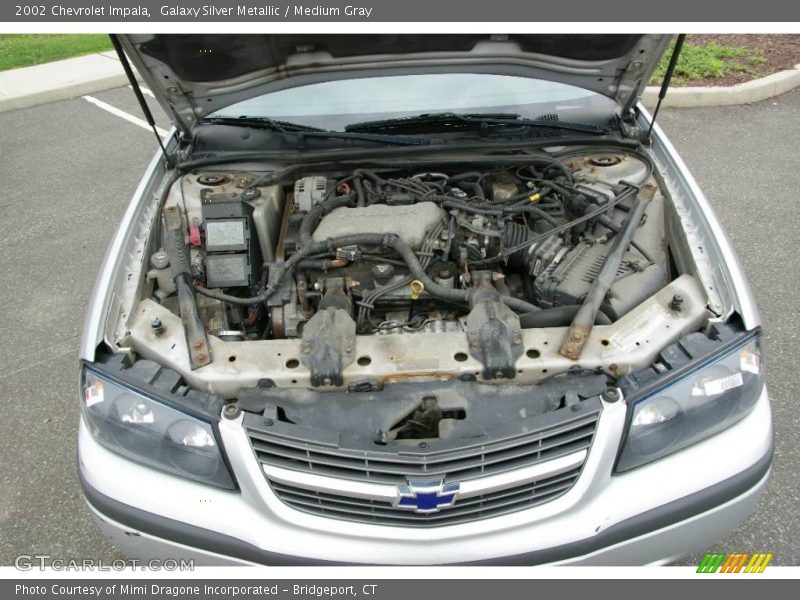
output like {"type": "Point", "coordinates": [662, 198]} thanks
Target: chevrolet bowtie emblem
{"type": "Point", "coordinates": [426, 496]}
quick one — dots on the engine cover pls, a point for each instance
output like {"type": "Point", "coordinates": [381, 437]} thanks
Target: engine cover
{"type": "Point", "coordinates": [409, 222]}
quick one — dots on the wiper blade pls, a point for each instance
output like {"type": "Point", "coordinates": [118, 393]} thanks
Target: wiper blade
{"type": "Point", "coordinates": [424, 119]}
{"type": "Point", "coordinates": [547, 124]}
{"type": "Point", "coordinates": [304, 132]}
{"type": "Point", "coordinates": [457, 121]}
{"type": "Point", "coordinates": [261, 123]}
{"type": "Point", "coordinates": [397, 140]}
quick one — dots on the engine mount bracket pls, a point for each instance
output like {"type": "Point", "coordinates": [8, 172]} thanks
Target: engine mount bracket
{"type": "Point", "coordinates": [493, 330]}
{"type": "Point", "coordinates": [328, 346]}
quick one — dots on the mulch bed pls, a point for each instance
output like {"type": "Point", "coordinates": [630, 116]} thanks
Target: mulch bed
{"type": "Point", "coordinates": [781, 51]}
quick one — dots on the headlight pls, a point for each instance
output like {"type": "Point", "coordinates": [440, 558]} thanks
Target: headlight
{"type": "Point", "coordinates": [150, 432]}
{"type": "Point", "coordinates": [705, 401]}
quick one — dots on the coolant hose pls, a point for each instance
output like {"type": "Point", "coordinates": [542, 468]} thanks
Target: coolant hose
{"type": "Point", "coordinates": [407, 254]}
{"type": "Point", "coordinates": [361, 199]}
{"type": "Point", "coordinates": [366, 239]}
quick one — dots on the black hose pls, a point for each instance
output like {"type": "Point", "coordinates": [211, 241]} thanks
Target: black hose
{"type": "Point", "coordinates": [517, 233]}
{"type": "Point", "coordinates": [519, 305]}
{"type": "Point", "coordinates": [366, 239]}
{"type": "Point", "coordinates": [411, 260]}
{"type": "Point", "coordinates": [217, 295]}
{"type": "Point", "coordinates": [359, 186]}
{"type": "Point", "coordinates": [463, 177]}
{"type": "Point", "coordinates": [526, 195]}
{"type": "Point", "coordinates": [456, 296]}
{"type": "Point", "coordinates": [313, 217]}
{"type": "Point", "coordinates": [558, 316]}
{"type": "Point", "coordinates": [476, 188]}
{"type": "Point", "coordinates": [550, 162]}
{"type": "Point", "coordinates": [533, 210]}
{"type": "Point", "coordinates": [488, 208]}
{"type": "Point", "coordinates": [473, 208]}
{"type": "Point", "coordinates": [462, 181]}
{"type": "Point", "coordinates": [583, 218]}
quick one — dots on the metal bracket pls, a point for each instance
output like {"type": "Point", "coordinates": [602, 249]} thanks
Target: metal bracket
{"type": "Point", "coordinates": [194, 330]}
{"type": "Point", "coordinates": [493, 331]}
{"type": "Point", "coordinates": [329, 345]}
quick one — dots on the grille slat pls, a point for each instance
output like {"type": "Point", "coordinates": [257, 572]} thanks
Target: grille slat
{"type": "Point", "coordinates": [431, 458]}
{"type": "Point", "coordinates": [495, 462]}
{"type": "Point", "coordinates": [383, 468]}
{"type": "Point", "coordinates": [479, 504]}
{"type": "Point", "coordinates": [469, 509]}
{"type": "Point", "coordinates": [465, 463]}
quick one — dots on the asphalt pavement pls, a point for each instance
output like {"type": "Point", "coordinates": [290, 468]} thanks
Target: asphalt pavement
{"type": "Point", "coordinates": [746, 160]}
{"type": "Point", "coordinates": [68, 170]}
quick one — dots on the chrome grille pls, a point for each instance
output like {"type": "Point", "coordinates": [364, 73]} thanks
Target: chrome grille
{"type": "Point", "coordinates": [465, 510]}
{"type": "Point", "coordinates": [394, 467]}
{"type": "Point", "coordinates": [569, 437]}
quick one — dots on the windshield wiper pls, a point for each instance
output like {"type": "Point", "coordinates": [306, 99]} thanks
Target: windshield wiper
{"type": "Point", "coordinates": [455, 121]}
{"type": "Point", "coordinates": [444, 118]}
{"type": "Point", "coordinates": [260, 123]}
{"type": "Point", "coordinates": [404, 140]}
{"type": "Point", "coordinates": [304, 132]}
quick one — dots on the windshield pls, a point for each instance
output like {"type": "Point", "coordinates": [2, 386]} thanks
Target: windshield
{"type": "Point", "coordinates": [336, 104]}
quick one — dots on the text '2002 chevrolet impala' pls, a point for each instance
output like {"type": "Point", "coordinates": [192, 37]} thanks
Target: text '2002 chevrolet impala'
{"type": "Point", "coordinates": [419, 299]}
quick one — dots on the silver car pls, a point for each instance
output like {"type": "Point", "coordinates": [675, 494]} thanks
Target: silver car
{"type": "Point", "coordinates": [419, 299]}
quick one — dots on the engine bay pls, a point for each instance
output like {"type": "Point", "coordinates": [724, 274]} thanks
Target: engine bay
{"type": "Point", "coordinates": [514, 269]}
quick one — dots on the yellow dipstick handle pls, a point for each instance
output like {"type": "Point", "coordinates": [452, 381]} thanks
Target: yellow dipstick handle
{"type": "Point", "coordinates": [416, 287]}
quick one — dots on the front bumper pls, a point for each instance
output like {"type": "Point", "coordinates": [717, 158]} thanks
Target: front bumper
{"type": "Point", "coordinates": [681, 503]}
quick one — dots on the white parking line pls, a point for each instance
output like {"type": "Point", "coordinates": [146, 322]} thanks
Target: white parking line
{"type": "Point", "coordinates": [145, 91]}
{"type": "Point", "coordinates": [123, 115]}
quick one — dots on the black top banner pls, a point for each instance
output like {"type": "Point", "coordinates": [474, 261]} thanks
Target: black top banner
{"type": "Point", "coordinates": [449, 11]}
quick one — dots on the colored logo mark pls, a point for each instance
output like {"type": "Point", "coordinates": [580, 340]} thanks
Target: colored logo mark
{"type": "Point", "coordinates": [736, 562]}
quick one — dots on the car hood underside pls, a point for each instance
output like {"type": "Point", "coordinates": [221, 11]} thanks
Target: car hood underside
{"type": "Point", "coordinates": [195, 75]}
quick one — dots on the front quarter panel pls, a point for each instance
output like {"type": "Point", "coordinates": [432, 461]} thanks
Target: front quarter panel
{"type": "Point", "coordinates": [128, 242]}
{"type": "Point", "coordinates": [710, 250]}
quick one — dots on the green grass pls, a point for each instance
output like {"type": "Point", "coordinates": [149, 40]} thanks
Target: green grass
{"type": "Point", "coordinates": [25, 50]}
{"type": "Point", "coordinates": [710, 60]}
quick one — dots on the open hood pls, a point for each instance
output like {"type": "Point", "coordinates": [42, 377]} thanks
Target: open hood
{"type": "Point", "coordinates": [195, 75]}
